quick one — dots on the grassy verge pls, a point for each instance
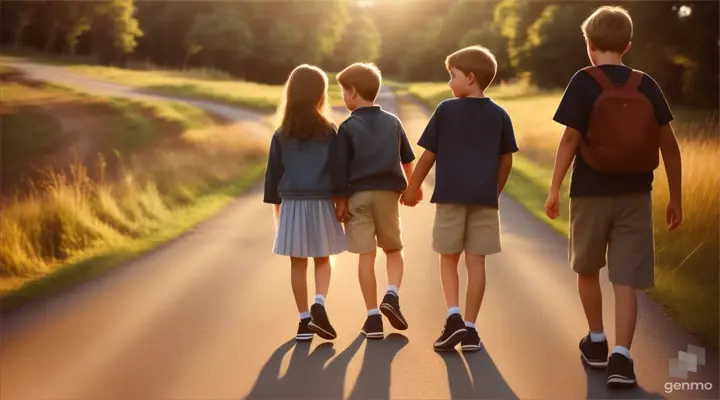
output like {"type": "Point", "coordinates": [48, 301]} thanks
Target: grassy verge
{"type": "Point", "coordinates": [686, 268]}
{"type": "Point", "coordinates": [177, 168]}
{"type": "Point", "coordinates": [110, 256]}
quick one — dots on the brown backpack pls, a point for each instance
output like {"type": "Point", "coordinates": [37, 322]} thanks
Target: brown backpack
{"type": "Point", "coordinates": [623, 133]}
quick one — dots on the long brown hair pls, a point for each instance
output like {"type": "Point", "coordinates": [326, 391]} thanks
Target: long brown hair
{"type": "Point", "coordinates": [303, 113]}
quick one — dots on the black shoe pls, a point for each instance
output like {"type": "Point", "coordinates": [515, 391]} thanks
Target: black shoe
{"type": "Point", "coordinates": [390, 306]}
{"type": "Point", "coordinates": [304, 333]}
{"type": "Point", "coordinates": [621, 374]}
{"type": "Point", "coordinates": [320, 324]}
{"type": "Point", "coordinates": [373, 327]}
{"type": "Point", "coordinates": [471, 342]}
{"type": "Point", "coordinates": [452, 334]}
{"type": "Point", "coordinates": [594, 354]}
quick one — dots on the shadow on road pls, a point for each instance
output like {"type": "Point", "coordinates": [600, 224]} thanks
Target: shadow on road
{"type": "Point", "coordinates": [597, 388]}
{"type": "Point", "coordinates": [374, 379]}
{"type": "Point", "coordinates": [479, 379]}
{"type": "Point", "coordinates": [307, 377]}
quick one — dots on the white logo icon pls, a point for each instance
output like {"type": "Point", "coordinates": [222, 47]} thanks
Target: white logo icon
{"type": "Point", "coordinates": [687, 361]}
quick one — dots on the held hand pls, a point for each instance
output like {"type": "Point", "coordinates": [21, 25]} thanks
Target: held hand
{"type": "Point", "coordinates": [552, 205]}
{"type": "Point", "coordinates": [420, 194]}
{"type": "Point", "coordinates": [673, 215]}
{"type": "Point", "coordinates": [409, 199]}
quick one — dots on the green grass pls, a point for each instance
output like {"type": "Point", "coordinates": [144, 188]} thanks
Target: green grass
{"type": "Point", "coordinates": [105, 259]}
{"type": "Point", "coordinates": [21, 139]}
{"type": "Point", "coordinates": [686, 267]}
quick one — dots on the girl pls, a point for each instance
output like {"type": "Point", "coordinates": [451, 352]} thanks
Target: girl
{"type": "Point", "coordinates": [300, 183]}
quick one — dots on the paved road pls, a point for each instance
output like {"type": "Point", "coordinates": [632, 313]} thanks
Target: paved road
{"type": "Point", "coordinates": [211, 315]}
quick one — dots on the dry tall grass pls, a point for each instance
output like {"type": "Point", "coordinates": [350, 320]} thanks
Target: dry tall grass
{"type": "Point", "coordinates": [69, 215]}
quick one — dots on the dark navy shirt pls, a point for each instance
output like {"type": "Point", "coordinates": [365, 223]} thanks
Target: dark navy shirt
{"type": "Point", "coordinates": [304, 169]}
{"type": "Point", "coordinates": [468, 135]}
{"type": "Point", "coordinates": [574, 112]}
{"type": "Point", "coordinates": [371, 146]}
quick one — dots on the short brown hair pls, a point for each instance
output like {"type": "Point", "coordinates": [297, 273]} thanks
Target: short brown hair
{"type": "Point", "coordinates": [476, 59]}
{"type": "Point", "coordinates": [364, 77]}
{"type": "Point", "coordinates": [609, 29]}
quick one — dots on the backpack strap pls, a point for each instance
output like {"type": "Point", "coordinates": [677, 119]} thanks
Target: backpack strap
{"type": "Point", "coordinates": [599, 76]}
{"type": "Point", "coordinates": [634, 80]}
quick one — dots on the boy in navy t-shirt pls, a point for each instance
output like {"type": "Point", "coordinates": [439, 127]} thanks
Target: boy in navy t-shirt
{"type": "Point", "coordinates": [470, 139]}
{"type": "Point", "coordinates": [611, 213]}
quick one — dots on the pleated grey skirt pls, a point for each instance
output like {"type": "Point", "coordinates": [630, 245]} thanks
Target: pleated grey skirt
{"type": "Point", "coordinates": [308, 228]}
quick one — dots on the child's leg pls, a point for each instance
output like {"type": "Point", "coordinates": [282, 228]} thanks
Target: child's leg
{"type": "Point", "coordinates": [450, 281]}
{"type": "Point", "coordinates": [590, 222]}
{"type": "Point", "coordinates": [298, 281]}
{"type": "Point", "coordinates": [322, 278]}
{"type": "Point", "coordinates": [360, 231]}
{"type": "Point", "coordinates": [625, 318]}
{"type": "Point", "coordinates": [386, 213]}
{"type": "Point", "coordinates": [366, 276]}
{"type": "Point", "coordinates": [591, 299]}
{"type": "Point", "coordinates": [394, 266]}
{"type": "Point", "coordinates": [320, 323]}
{"type": "Point", "coordinates": [475, 265]}
{"type": "Point", "coordinates": [482, 238]}
{"type": "Point", "coordinates": [631, 262]}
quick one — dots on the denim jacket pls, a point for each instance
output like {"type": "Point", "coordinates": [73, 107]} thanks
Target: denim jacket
{"type": "Point", "coordinates": [298, 169]}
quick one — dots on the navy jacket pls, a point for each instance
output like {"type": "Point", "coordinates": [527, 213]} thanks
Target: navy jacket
{"type": "Point", "coordinates": [372, 145]}
{"type": "Point", "coordinates": [301, 169]}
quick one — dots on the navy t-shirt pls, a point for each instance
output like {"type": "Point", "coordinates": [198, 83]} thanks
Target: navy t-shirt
{"type": "Point", "coordinates": [468, 135]}
{"type": "Point", "coordinates": [574, 111]}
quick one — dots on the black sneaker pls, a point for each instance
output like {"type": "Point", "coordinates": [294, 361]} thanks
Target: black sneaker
{"type": "Point", "coordinates": [373, 327]}
{"type": "Point", "coordinates": [452, 334]}
{"type": "Point", "coordinates": [304, 333]}
{"type": "Point", "coordinates": [471, 342]}
{"type": "Point", "coordinates": [320, 324]}
{"type": "Point", "coordinates": [621, 374]}
{"type": "Point", "coordinates": [390, 306]}
{"type": "Point", "coordinates": [594, 354]}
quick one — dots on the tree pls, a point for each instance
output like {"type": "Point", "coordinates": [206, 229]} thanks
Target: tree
{"type": "Point", "coordinates": [360, 43]}
{"type": "Point", "coordinates": [124, 28]}
{"type": "Point", "coordinates": [220, 36]}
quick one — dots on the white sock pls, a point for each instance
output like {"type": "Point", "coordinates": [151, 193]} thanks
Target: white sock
{"type": "Point", "coordinates": [304, 315]}
{"type": "Point", "coordinates": [374, 311]}
{"type": "Point", "coordinates": [394, 290]}
{"type": "Point", "coordinates": [453, 310]}
{"type": "Point", "coordinates": [320, 299]}
{"type": "Point", "coordinates": [470, 325]}
{"type": "Point", "coordinates": [622, 350]}
{"type": "Point", "coordinates": [597, 336]}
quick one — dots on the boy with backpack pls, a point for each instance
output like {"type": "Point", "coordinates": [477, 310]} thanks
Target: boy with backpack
{"type": "Point", "coordinates": [616, 122]}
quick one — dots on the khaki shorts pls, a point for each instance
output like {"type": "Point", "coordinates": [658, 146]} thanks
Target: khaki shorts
{"type": "Point", "coordinates": [374, 221]}
{"type": "Point", "coordinates": [617, 232]}
{"type": "Point", "coordinates": [474, 229]}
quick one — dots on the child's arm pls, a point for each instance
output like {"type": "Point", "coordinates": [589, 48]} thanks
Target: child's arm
{"type": "Point", "coordinates": [673, 168]}
{"type": "Point", "coordinates": [273, 173]}
{"type": "Point", "coordinates": [506, 161]}
{"type": "Point", "coordinates": [508, 146]}
{"type": "Point", "coordinates": [566, 151]}
{"type": "Point", "coordinates": [343, 157]}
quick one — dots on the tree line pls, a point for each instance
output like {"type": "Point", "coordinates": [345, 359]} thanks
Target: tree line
{"type": "Point", "coordinates": [675, 41]}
